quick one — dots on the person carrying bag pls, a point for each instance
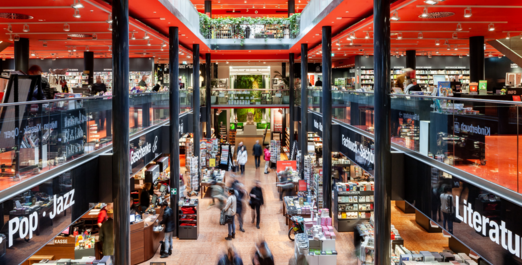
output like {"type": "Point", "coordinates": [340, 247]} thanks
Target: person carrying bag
{"type": "Point", "coordinates": [230, 213]}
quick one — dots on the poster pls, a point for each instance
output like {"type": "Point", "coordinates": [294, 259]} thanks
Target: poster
{"type": "Point", "coordinates": [212, 162]}
{"type": "Point", "coordinates": [483, 87]}
{"type": "Point", "coordinates": [286, 165]}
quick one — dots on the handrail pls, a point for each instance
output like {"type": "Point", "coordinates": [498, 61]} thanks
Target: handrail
{"type": "Point", "coordinates": [462, 99]}
{"type": "Point", "coordinates": [248, 89]}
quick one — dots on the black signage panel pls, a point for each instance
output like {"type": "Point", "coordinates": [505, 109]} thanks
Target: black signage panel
{"type": "Point", "coordinates": [357, 148]}
{"type": "Point", "coordinates": [33, 217]}
{"type": "Point", "coordinates": [483, 221]}
{"type": "Point", "coordinates": [315, 124]}
{"type": "Point", "coordinates": [146, 148]}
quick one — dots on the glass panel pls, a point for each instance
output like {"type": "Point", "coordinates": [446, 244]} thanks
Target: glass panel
{"type": "Point", "coordinates": [250, 97]}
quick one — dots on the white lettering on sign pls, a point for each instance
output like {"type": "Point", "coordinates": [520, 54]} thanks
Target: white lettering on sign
{"type": "Point", "coordinates": [181, 128]}
{"type": "Point", "coordinates": [144, 150]}
{"type": "Point", "coordinates": [498, 234]}
{"type": "Point", "coordinates": [73, 121]}
{"type": "Point", "coordinates": [362, 151]}
{"type": "Point", "coordinates": [31, 129]}
{"type": "Point", "coordinates": [414, 116]}
{"type": "Point", "coordinates": [25, 226]}
{"type": "Point", "coordinates": [464, 128]}
{"type": "Point", "coordinates": [318, 125]}
{"type": "Point", "coordinates": [60, 241]}
{"type": "Point", "coordinates": [514, 65]}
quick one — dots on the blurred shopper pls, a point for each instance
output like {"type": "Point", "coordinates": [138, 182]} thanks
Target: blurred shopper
{"type": "Point", "coordinates": [230, 258]}
{"type": "Point", "coordinates": [256, 201]}
{"type": "Point", "coordinates": [145, 197]}
{"type": "Point", "coordinates": [263, 256]}
{"type": "Point", "coordinates": [258, 151]}
{"type": "Point", "coordinates": [446, 200]}
{"type": "Point", "coordinates": [168, 222]}
{"type": "Point", "coordinates": [98, 87]}
{"type": "Point", "coordinates": [46, 88]}
{"type": "Point", "coordinates": [230, 212]}
{"type": "Point", "coordinates": [143, 82]}
{"type": "Point", "coordinates": [267, 159]}
{"type": "Point", "coordinates": [242, 158]}
{"type": "Point", "coordinates": [240, 195]}
{"type": "Point", "coordinates": [239, 147]}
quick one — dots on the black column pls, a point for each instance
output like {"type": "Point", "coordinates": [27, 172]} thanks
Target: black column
{"type": "Point", "coordinates": [208, 8]}
{"type": "Point", "coordinates": [303, 139]}
{"type": "Point", "coordinates": [382, 162]}
{"type": "Point", "coordinates": [291, 7]}
{"type": "Point", "coordinates": [174, 122]}
{"type": "Point", "coordinates": [327, 116]}
{"type": "Point", "coordinates": [208, 94]}
{"type": "Point", "coordinates": [410, 59]}
{"type": "Point", "coordinates": [283, 69]}
{"type": "Point", "coordinates": [21, 55]}
{"type": "Point", "coordinates": [88, 66]}
{"type": "Point", "coordinates": [292, 99]}
{"type": "Point", "coordinates": [121, 153]}
{"type": "Point", "coordinates": [196, 101]}
{"type": "Point", "coordinates": [476, 58]}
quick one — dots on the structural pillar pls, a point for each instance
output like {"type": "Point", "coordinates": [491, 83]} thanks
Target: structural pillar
{"type": "Point", "coordinates": [21, 55]}
{"type": "Point", "coordinates": [88, 66]}
{"type": "Point", "coordinates": [410, 59]}
{"type": "Point", "coordinates": [476, 58]}
{"type": "Point", "coordinates": [303, 140]}
{"type": "Point", "coordinates": [292, 100]}
{"type": "Point", "coordinates": [174, 122]}
{"type": "Point", "coordinates": [121, 152]}
{"type": "Point", "coordinates": [208, 8]}
{"type": "Point", "coordinates": [382, 161]}
{"type": "Point", "coordinates": [283, 69]}
{"type": "Point", "coordinates": [291, 7]}
{"type": "Point", "coordinates": [208, 95]}
{"type": "Point", "coordinates": [327, 116]}
{"type": "Point", "coordinates": [197, 104]}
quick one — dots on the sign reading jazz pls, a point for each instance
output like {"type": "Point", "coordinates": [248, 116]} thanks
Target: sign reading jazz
{"type": "Point", "coordinates": [357, 148]}
{"type": "Point", "coordinates": [145, 148]}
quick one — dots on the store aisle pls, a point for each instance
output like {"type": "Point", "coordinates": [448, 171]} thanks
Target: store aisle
{"type": "Point", "coordinates": [211, 242]}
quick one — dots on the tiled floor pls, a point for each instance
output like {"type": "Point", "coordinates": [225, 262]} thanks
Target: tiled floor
{"type": "Point", "coordinates": [211, 243]}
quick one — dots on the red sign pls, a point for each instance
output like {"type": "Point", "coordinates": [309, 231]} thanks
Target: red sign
{"type": "Point", "coordinates": [516, 98]}
{"type": "Point", "coordinates": [283, 165]}
{"type": "Point", "coordinates": [302, 185]}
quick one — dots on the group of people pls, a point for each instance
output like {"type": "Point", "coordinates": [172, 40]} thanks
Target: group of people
{"type": "Point", "coordinates": [262, 256]}
{"type": "Point", "coordinates": [257, 150]}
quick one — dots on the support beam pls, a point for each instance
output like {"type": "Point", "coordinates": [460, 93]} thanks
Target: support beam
{"type": "Point", "coordinates": [208, 8]}
{"type": "Point", "coordinates": [327, 116]}
{"type": "Point", "coordinates": [208, 95]}
{"type": "Point", "coordinates": [121, 152]}
{"type": "Point", "coordinates": [21, 55]}
{"type": "Point", "coordinates": [410, 59]}
{"type": "Point", "coordinates": [381, 62]}
{"type": "Point", "coordinates": [88, 66]}
{"type": "Point", "coordinates": [283, 69]}
{"type": "Point", "coordinates": [196, 102]}
{"type": "Point", "coordinates": [304, 106]}
{"type": "Point", "coordinates": [291, 7]}
{"type": "Point", "coordinates": [476, 58]}
{"type": "Point", "coordinates": [291, 98]}
{"type": "Point", "coordinates": [174, 122]}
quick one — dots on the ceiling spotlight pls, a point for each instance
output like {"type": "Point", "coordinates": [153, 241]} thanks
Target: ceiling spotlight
{"type": "Point", "coordinates": [420, 35]}
{"type": "Point", "coordinates": [9, 28]}
{"type": "Point", "coordinates": [233, 10]}
{"type": "Point", "coordinates": [32, 54]}
{"type": "Point", "coordinates": [399, 36]}
{"type": "Point", "coordinates": [161, 48]}
{"type": "Point", "coordinates": [109, 18]}
{"type": "Point", "coordinates": [10, 37]}
{"type": "Point", "coordinates": [247, 9]}
{"type": "Point", "coordinates": [227, 62]}
{"type": "Point", "coordinates": [437, 51]}
{"type": "Point", "coordinates": [467, 54]}
{"type": "Point", "coordinates": [264, 6]}
{"type": "Point", "coordinates": [26, 28]}
{"type": "Point", "coordinates": [437, 43]}
{"type": "Point", "coordinates": [145, 37]}
{"type": "Point", "coordinates": [456, 48]}
{"type": "Point", "coordinates": [500, 56]}
{"type": "Point", "coordinates": [148, 43]}
{"type": "Point", "coordinates": [367, 35]}
{"type": "Point", "coordinates": [508, 36]}
{"type": "Point", "coordinates": [66, 27]}
{"type": "Point", "coordinates": [454, 35]}
{"type": "Point", "coordinates": [459, 27]}
{"type": "Point", "coordinates": [45, 44]}
{"type": "Point", "coordinates": [491, 27]}
{"type": "Point", "coordinates": [16, 37]}
{"type": "Point", "coordinates": [430, 2]}
{"type": "Point", "coordinates": [110, 48]}
{"type": "Point", "coordinates": [446, 42]}
{"type": "Point", "coordinates": [489, 55]}
{"type": "Point", "coordinates": [351, 42]}
{"type": "Point", "coordinates": [425, 12]}
{"type": "Point", "coordinates": [87, 48]}
{"type": "Point", "coordinates": [467, 12]}
{"type": "Point", "coordinates": [74, 48]}
{"type": "Point", "coordinates": [77, 13]}
{"type": "Point", "coordinates": [352, 35]}
{"type": "Point", "coordinates": [164, 44]}
{"type": "Point", "coordinates": [110, 27]}
{"type": "Point", "coordinates": [94, 36]}
{"type": "Point", "coordinates": [77, 4]}
{"type": "Point", "coordinates": [133, 37]}
{"type": "Point", "coordinates": [449, 47]}
{"type": "Point", "coordinates": [395, 16]}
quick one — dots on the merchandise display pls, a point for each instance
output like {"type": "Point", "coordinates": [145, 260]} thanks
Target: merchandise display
{"type": "Point", "coordinates": [188, 219]}
{"type": "Point", "coordinates": [275, 151]}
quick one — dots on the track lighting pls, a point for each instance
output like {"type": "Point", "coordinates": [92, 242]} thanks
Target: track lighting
{"type": "Point", "coordinates": [94, 36]}
{"type": "Point", "coordinates": [454, 35]}
{"type": "Point", "coordinates": [491, 27]}
{"type": "Point", "coordinates": [467, 12]}
{"type": "Point", "coordinates": [87, 48]}
{"type": "Point", "coordinates": [351, 42]}
{"type": "Point", "coordinates": [77, 4]}
{"type": "Point", "coordinates": [437, 51]}
{"type": "Point", "coordinates": [352, 35]}
{"type": "Point", "coordinates": [146, 37]}
{"type": "Point", "coordinates": [110, 27]}
{"type": "Point", "coordinates": [367, 35]}
{"type": "Point", "coordinates": [399, 36]}
{"type": "Point", "coordinates": [16, 37]}
{"type": "Point", "coordinates": [425, 12]}
{"type": "Point", "coordinates": [109, 18]}
{"type": "Point", "coordinates": [133, 37]}
{"type": "Point", "coordinates": [437, 43]}
{"type": "Point", "coordinates": [164, 44]}
{"type": "Point", "coordinates": [26, 28]}
{"type": "Point", "coordinates": [459, 27]}
{"type": "Point", "coordinates": [446, 42]}
{"type": "Point", "coordinates": [456, 48]}
{"type": "Point", "coordinates": [420, 35]}
{"type": "Point", "coordinates": [508, 36]}
{"type": "Point", "coordinates": [74, 48]}
{"type": "Point", "coordinates": [77, 13]}
{"type": "Point", "coordinates": [10, 37]}
{"type": "Point", "coordinates": [66, 27]}
{"type": "Point", "coordinates": [395, 16]}
{"type": "Point", "coordinates": [430, 2]}
{"type": "Point", "coordinates": [9, 28]}
{"type": "Point", "coordinates": [32, 54]}
{"type": "Point", "coordinates": [148, 43]}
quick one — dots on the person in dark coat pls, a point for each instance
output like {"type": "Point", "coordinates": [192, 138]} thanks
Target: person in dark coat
{"type": "Point", "coordinates": [145, 197]}
{"type": "Point", "coordinates": [46, 88]}
{"type": "Point", "coordinates": [240, 194]}
{"type": "Point", "coordinates": [99, 86]}
{"type": "Point", "coordinates": [230, 258]}
{"type": "Point", "coordinates": [256, 201]}
{"type": "Point", "coordinates": [258, 152]}
{"type": "Point", "coordinates": [263, 256]}
{"type": "Point", "coordinates": [106, 236]}
{"type": "Point", "coordinates": [168, 221]}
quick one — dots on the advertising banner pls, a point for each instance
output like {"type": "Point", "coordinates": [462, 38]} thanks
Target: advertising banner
{"type": "Point", "coordinates": [286, 165]}
{"type": "Point", "coordinates": [146, 148]}
{"type": "Point", "coordinates": [357, 148]}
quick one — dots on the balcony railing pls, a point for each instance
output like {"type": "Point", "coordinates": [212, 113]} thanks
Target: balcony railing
{"type": "Point", "coordinates": [480, 137]}
{"type": "Point", "coordinates": [249, 97]}
{"type": "Point", "coordinates": [38, 136]}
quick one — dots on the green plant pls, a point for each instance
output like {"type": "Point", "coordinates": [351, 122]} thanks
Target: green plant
{"type": "Point", "coordinates": [285, 79]}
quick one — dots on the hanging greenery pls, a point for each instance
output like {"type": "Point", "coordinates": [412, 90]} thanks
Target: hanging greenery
{"type": "Point", "coordinates": [208, 26]}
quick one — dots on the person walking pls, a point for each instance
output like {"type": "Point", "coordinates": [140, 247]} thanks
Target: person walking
{"type": "Point", "coordinates": [242, 158]}
{"type": "Point", "coordinates": [267, 158]}
{"type": "Point", "coordinates": [263, 256]}
{"type": "Point", "coordinates": [168, 221]}
{"type": "Point", "coordinates": [239, 147]}
{"type": "Point", "coordinates": [446, 200]}
{"type": "Point", "coordinates": [240, 194]}
{"type": "Point", "coordinates": [258, 151]}
{"type": "Point", "coordinates": [230, 258]}
{"type": "Point", "coordinates": [230, 212]}
{"type": "Point", "coordinates": [256, 201]}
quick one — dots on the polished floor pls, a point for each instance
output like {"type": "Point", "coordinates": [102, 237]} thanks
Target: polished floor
{"type": "Point", "coordinates": [211, 243]}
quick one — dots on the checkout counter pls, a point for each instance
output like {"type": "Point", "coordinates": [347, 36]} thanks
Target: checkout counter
{"type": "Point", "coordinates": [145, 237]}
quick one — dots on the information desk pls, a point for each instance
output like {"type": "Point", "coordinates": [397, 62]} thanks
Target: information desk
{"type": "Point", "coordinates": [144, 241]}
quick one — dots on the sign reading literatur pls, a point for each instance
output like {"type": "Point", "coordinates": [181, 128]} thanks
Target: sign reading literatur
{"type": "Point", "coordinates": [357, 148]}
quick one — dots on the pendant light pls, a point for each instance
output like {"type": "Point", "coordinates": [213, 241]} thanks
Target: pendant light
{"type": "Point", "coordinates": [430, 2]}
{"type": "Point", "coordinates": [459, 27]}
{"type": "Point", "coordinates": [148, 43]}
{"type": "Point", "coordinates": [16, 37]}
{"type": "Point", "coordinates": [491, 27]}
{"type": "Point", "coordinates": [26, 28]}
{"type": "Point", "coordinates": [146, 37]}
{"type": "Point", "coordinates": [94, 36]}
{"type": "Point", "coordinates": [9, 28]}
{"type": "Point", "coordinates": [467, 12]}
{"type": "Point", "coordinates": [87, 48]}
{"type": "Point", "coordinates": [66, 27]}
{"type": "Point", "coordinates": [74, 48]}
{"type": "Point", "coordinates": [77, 4]}
{"type": "Point", "coordinates": [367, 35]}
{"type": "Point", "coordinates": [110, 27]}
{"type": "Point", "coordinates": [133, 37]}
{"type": "Point", "coordinates": [454, 36]}
{"type": "Point", "coordinates": [352, 35]}
{"type": "Point", "coordinates": [508, 36]}
{"type": "Point", "coordinates": [420, 35]}
{"type": "Point", "coordinates": [351, 42]}
{"type": "Point", "coordinates": [77, 13]}
{"type": "Point", "coordinates": [395, 16]}
{"type": "Point", "coordinates": [425, 13]}
{"type": "Point", "coordinates": [429, 55]}
{"type": "Point", "coordinates": [399, 36]}
{"type": "Point", "coordinates": [456, 47]}
{"type": "Point", "coordinates": [109, 18]}
{"type": "Point", "coordinates": [437, 43]}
